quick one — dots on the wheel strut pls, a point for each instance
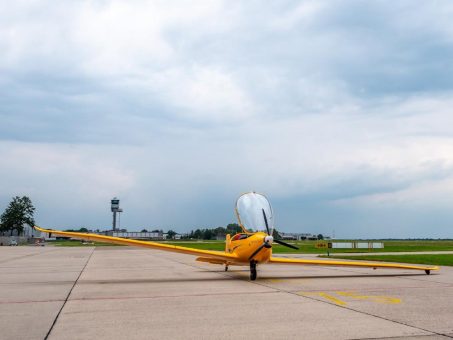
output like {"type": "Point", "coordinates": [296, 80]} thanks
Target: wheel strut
{"type": "Point", "coordinates": [253, 270]}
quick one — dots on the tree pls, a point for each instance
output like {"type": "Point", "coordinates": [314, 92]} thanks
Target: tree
{"type": "Point", "coordinates": [144, 231]}
{"type": "Point", "coordinates": [197, 234]}
{"type": "Point", "coordinates": [171, 234]}
{"type": "Point", "coordinates": [233, 228]}
{"type": "Point", "coordinates": [320, 237]}
{"type": "Point", "coordinates": [19, 212]}
{"type": "Point", "coordinates": [208, 234]}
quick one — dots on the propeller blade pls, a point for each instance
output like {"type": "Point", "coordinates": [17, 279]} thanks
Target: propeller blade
{"type": "Point", "coordinates": [285, 244]}
{"type": "Point", "coordinates": [257, 251]}
{"type": "Point", "coordinates": [265, 221]}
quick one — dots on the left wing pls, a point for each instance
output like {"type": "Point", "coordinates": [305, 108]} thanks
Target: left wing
{"type": "Point", "coordinates": [147, 244]}
{"type": "Point", "coordinates": [282, 260]}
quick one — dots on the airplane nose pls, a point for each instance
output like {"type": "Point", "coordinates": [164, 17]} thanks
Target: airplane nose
{"type": "Point", "coordinates": [268, 240]}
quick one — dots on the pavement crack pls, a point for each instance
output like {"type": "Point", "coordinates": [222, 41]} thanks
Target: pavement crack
{"type": "Point", "coordinates": [352, 309]}
{"type": "Point", "coordinates": [69, 294]}
{"type": "Point", "coordinates": [226, 274]}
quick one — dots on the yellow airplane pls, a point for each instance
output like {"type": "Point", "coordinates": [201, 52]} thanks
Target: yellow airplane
{"type": "Point", "coordinates": [251, 247]}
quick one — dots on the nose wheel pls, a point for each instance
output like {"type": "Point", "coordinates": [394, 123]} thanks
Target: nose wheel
{"type": "Point", "coordinates": [252, 270]}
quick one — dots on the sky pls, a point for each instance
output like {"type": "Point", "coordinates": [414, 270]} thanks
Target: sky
{"type": "Point", "coordinates": [340, 111]}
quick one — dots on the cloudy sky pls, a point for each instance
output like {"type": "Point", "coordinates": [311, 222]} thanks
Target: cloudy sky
{"type": "Point", "coordinates": [340, 111]}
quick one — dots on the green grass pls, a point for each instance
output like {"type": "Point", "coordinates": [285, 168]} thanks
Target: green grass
{"type": "Point", "coordinates": [305, 247]}
{"type": "Point", "coordinates": [308, 247]}
{"type": "Point", "coordinates": [77, 243]}
{"type": "Point", "coordinates": [432, 259]}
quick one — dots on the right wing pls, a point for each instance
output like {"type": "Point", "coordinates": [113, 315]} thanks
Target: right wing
{"type": "Point", "coordinates": [212, 254]}
{"type": "Point", "coordinates": [283, 260]}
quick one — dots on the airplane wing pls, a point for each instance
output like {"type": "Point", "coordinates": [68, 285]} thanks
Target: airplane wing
{"type": "Point", "coordinates": [282, 260]}
{"type": "Point", "coordinates": [147, 244]}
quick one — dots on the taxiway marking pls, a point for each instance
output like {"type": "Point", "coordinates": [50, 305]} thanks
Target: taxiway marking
{"type": "Point", "coordinates": [373, 298]}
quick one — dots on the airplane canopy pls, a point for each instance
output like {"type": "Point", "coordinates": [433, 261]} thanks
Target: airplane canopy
{"type": "Point", "coordinates": [252, 209]}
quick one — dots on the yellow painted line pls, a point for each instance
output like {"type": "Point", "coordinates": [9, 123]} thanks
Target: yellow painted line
{"type": "Point", "coordinates": [332, 298]}
{"type": "Point", "coordinates": [353, 295]}
{"type": "Point", "coordinates": [325, 296]}
{"type": "Point", "coordinates": [374, 298]}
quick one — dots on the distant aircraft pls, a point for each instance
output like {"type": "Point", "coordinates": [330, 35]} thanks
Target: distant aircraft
{"type": "Point", "coordinates": [251, 247]}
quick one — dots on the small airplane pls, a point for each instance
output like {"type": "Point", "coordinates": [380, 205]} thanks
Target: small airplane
{"type": "Point", "coordinates": [251, 247]}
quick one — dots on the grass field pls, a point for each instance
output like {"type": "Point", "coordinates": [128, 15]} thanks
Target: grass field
{"type": "Point", "coordinates": [77, 243]}
{"type": "Point", "coordinates": [433, 259]}
{"type": "Point", "coordinates": [305, 247]}
{"type": "Point", "coordinates": [308, 247]}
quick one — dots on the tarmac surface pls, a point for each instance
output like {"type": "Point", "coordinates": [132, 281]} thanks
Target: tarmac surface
{"type": "Point", "coordinates": [133, 293]}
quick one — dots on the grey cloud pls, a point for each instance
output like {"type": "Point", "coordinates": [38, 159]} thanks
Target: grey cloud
{"type": "Point", "coordinates": [311, 102]}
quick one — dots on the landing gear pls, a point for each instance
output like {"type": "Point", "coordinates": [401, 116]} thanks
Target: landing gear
{"type": "Point", "coordinates": [226, 267]}
{"type": "Point", "coordinates": [427, 271]}
{"type": "Point", "coordinates": [252, 270]}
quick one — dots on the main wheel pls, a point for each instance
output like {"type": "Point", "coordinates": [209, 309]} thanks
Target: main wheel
{"type": "Point", "coordinates": [427, 271]}
{"type": "Point", "coordinates": [253, 270]}
{"type": "Point", "coordinates": [226, 268]}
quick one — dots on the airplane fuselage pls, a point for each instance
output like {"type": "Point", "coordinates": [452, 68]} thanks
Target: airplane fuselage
{"type": "Point", "coordinates": [244, 245]}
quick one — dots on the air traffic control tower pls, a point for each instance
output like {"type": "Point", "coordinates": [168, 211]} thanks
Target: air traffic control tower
{"type": "Point", "coordinates": [115, 205]}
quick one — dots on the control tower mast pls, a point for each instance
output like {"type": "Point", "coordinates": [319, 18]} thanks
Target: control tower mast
{"type": "Point", "coordinates": [115, 206]}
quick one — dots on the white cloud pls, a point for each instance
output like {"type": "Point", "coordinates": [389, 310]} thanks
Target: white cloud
{"type": "Point", "coordinates": [204, 93]}
{"type": "Point", "coordinates": [304, 13]}
{"type": "Point", "coordinates": [67, 177]}
{"type": "Point", "coordinates": [174, 107]}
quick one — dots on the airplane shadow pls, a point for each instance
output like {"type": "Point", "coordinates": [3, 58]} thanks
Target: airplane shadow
{"type": "Point", "coordinates": [339, 276]}
{"type": "Point", "coordinates": [152, 280]}
{"type": "Point", "coordinates": [243, 277]}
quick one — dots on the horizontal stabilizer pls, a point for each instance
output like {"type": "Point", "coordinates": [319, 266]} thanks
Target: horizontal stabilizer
{"type": "Point", "coordinates": [211, 260]}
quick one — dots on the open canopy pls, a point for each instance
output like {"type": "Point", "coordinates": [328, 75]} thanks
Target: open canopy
{"type": "Point", "coordinates": [253, 210]}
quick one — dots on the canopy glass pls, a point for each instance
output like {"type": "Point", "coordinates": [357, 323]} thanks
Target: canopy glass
{"type": "Point", "coordinates": [252, 210]}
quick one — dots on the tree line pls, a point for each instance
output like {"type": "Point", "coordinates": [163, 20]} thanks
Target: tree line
{"type": "Point", "coordinates": [20, 212]}
{"type": "Point", "coordinates": [203, 233]}
{"type": "Point", "coordinates": [211, 234]}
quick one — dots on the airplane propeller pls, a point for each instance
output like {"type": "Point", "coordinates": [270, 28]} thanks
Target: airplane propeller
{"type": "Point", "coordinates": [269, 239]}
{"type": "Point", "coordinates": [285, 244]}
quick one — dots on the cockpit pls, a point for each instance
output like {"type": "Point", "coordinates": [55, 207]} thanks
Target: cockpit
{"type": "Point", "coordinates": [254, 213]}
{"type": "Point", "coordinates": [239, 237]}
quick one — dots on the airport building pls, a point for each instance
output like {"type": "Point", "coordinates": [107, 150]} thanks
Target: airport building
{"type": "Point", "coordinates": [298, 236]}
{"type": "Point", "coordinates": [29, 235]}
{"type": "Point", "coordinates": [137, 235]}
